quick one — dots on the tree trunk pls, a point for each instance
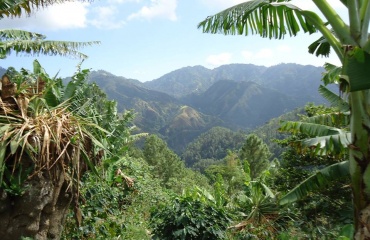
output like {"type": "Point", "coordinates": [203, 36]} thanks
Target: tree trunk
{"type": "Point", "coordinates": [360, 162]}
{"type": "Point", "coordinates": [39, 212]}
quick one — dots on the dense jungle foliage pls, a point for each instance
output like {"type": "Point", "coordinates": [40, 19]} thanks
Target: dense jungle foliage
{"type": "Point", "coordinates": [231, 190]}
{"type": "Point", "coordinates": [70, 168]}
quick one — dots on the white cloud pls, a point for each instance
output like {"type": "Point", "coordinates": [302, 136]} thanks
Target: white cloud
{"type": "Point", "coordinates": [105, 18]}
{"type": "Point", "coordinates": [284, 49]}
{"type": "Point", "coordinates": [247, 55]}
{"type": "Point", "coordinates": [221, 4]}
{"type": "Point", "coordinates": [55, 17]}
{"type": "Point", "coordinates": [219, 59]}
{"type": "Point", "coordinates": [305, 5]}
{"type": "Point", "coordinates": [158, 9]}
{"type": "Point", "coordinates": [264, 53]}
{"type": "Point", "coordinates": [309, 5]}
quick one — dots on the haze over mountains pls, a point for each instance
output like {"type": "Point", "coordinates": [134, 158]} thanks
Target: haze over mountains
{"type": "Point", "coordinates": [189, 101]}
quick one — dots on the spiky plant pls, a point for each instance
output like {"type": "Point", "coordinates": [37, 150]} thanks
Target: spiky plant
{"type": "Point", "coordinates": [41, 144]}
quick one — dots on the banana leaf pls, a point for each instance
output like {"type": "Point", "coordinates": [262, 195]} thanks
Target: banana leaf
{"type": "Point", "coordinates": [316, 182]}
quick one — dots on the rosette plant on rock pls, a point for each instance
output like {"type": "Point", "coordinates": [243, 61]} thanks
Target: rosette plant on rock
{"type": "Point", "coordinates": [44, 150]}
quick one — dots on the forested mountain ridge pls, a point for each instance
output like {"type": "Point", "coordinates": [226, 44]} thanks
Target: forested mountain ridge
{"type": "Point", "coordinates": [300, 81]}
{"type": "Point", "coordinates": [290, 78]}
{"type": "Point", "coordinates": [152, 108]}
{"type": "Point", "coordinates": [198, 79]}
{"type": "Point", "coordinates": [236, 96]}
{"type": "Point", "coordinates": [186, 125]}
{"type": "Point", "coordinates": [242, 104]}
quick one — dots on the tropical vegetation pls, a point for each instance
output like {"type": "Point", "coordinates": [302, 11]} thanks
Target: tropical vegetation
{"type": "Point", "coordinates": [73, 167]}
{"type": "Point", "coordinates": [278, 18]}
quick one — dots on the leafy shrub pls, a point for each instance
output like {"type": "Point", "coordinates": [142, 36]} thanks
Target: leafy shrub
{"type": "Point", "coordinates": [191, 216]}
{"type": "Point", "coordinates": [117, 206]}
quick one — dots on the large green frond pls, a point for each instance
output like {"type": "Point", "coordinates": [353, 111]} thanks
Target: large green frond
{"type": "Point", "coordinates": [334, 99]}
{"type": "Point", "coordinates": [332, 74]}
{"type": "Point", "coordinates": [357, 65]}
{"type": "Point", "coordinates": [323, 139]}
{"type": "Point", "coordinates": [316, 182]}
{"type": "Point", "coordinates": [311, 129]}
{"type": "Point", "coordinates": [36, 47]}
{"type": "Point", "coordinates": [320, 47]}
{"type": "Point", "coordinates": [268, 18]}
{"type": "Point", "coordinates": [15, 34]}
{"type": "Point", "coordinates": [331, 119]}
{"type": "Point", "coordinates": [327, 145]}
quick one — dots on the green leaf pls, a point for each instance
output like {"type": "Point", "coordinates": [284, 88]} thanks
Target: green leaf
{"type": "Point", "coordinates": [316, 182]}
{"type": "Point", "coordinates": [335, 144]}
{"type": "Point", "coordinates": [37, 68]}
{"type": "Point", "coordinates": [332, 74]}
{"type": "Point", "coordinates": [272, 19]}
{"type": "Point", "coordinates": [89, 163]}
{"type": "Point", "coordinates": [31, 43]}
{"type": "Point", "coordinates": [347, 231]}
{"type": "Point", "coordinates": [334, 99]}
{"type": "Point", "coordinates": [311, 129]}
{"type": "Point", "coordinates": [330, 119]}
{"type": "Point", "coordinates": [13, 146]}
{"type": "Point", "coordinates": [2, 160]}
{"type": "Point", "coordinates": [358, 72]}
{"type": "Point", "coordinates": [320, 47]}
{"type": "Point", "coordinates": [77, 81]}
{"type": "Point", "coordinates": [268, 191]}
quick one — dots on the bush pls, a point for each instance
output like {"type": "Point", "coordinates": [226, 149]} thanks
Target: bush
{"type": "Point", "coordinates": [192, 216]}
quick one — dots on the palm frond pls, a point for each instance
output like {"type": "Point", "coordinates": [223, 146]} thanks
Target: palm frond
{"type": "Point", "coordinates": [311, 129]}
{"type": "Point", "coordinates": [268, 18]}
{"type": "Point", "coordinates": [330, 119]}
{"type": "Point", "coordinates": [43, 47]}
{"type": "Point", "coordinates": [332, 74]}
{"type": "Point", "coordinates": [15, 8]}
{"type": "Point", "coordinates": [323, 139]}
{"type": "Point", "coordinates": [316, 182]}
{"type": "Point", "coordinates": [320, 47]}
{"type": "Point", "coordinates": [15, 34]}
{"type": "Point", "coordinates": [335, 145]}
{"type": "Point", "coordinates": [334, 99]}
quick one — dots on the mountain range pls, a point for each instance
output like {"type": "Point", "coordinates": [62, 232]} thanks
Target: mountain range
{"type": "Point", "coordinates": [186, 102]}
{"type": "Point", "coordinates": [181, 105]}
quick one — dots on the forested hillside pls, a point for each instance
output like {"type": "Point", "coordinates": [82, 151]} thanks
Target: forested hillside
{"type": "Point", "coordinates": [187, 102]}
{"type": "Point", "coordinates": [242, 105]}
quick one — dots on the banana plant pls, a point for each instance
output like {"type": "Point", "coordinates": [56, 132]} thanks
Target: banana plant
{"type": "Point", "coordinates": [30, 43]}
{"type": "Point", "coordinates": [25, 42]}
{"type": "Point", "coordinates": [350, 42]}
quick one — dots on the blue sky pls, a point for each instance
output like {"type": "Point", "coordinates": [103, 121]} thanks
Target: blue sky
{"type": "Point", "coordinates": [145, 39]}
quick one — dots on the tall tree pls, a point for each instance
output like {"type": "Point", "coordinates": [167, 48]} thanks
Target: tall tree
{"type": "Point", "coordinates": [166, 164]}
{"type": "Point", "coordinates": [278, 18]}
{"type": "Point", "coordinates": [255, 154]}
